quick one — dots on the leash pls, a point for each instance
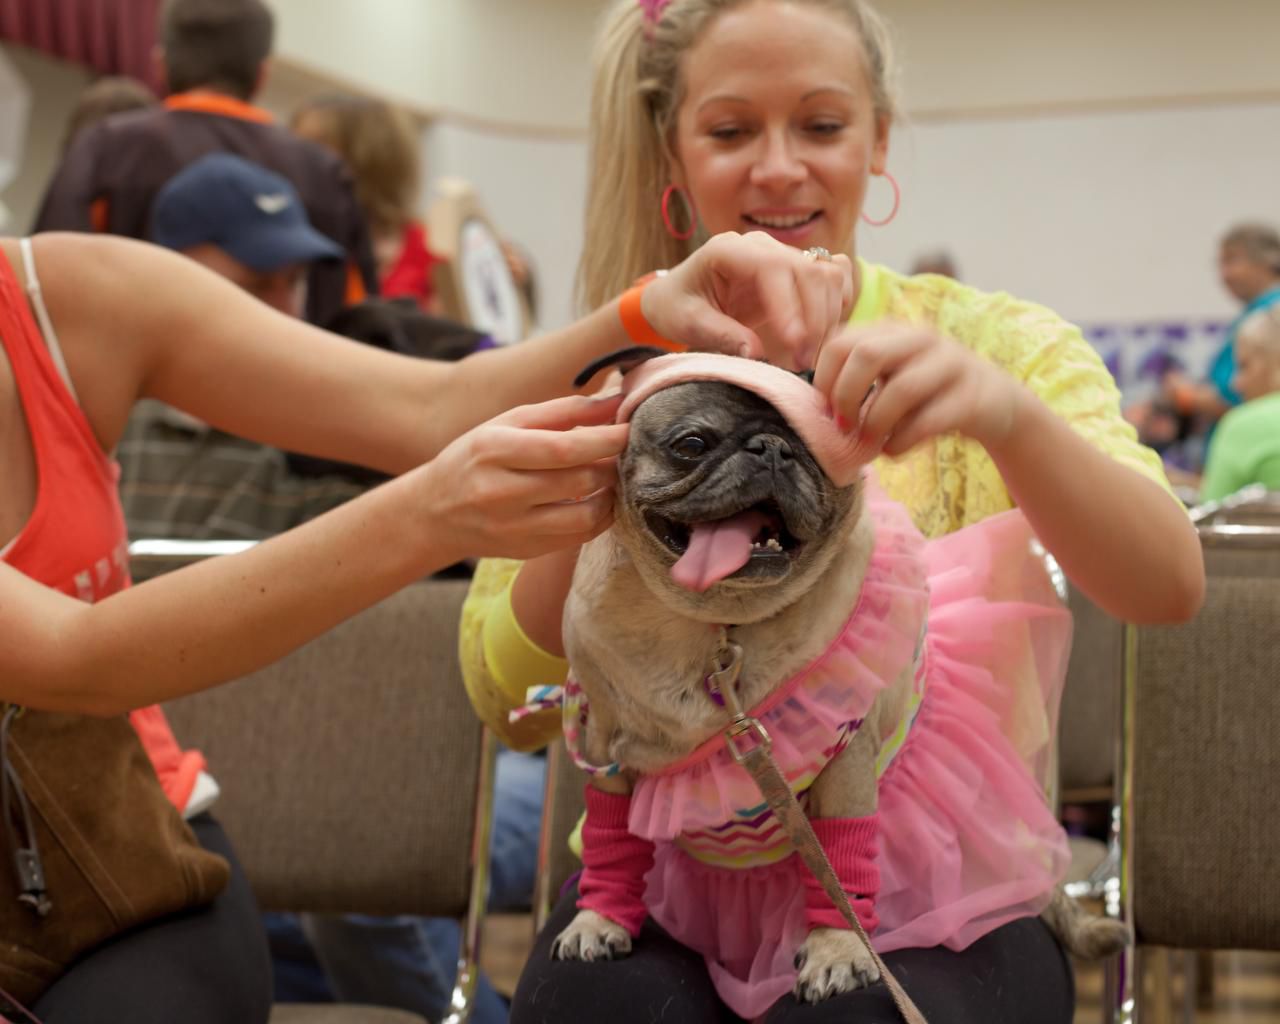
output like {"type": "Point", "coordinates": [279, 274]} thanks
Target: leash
{"type": "Point", "coordinates": [751, 747]}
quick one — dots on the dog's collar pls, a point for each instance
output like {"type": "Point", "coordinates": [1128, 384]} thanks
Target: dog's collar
{"type": "Point", "coordinates": [720, 683]}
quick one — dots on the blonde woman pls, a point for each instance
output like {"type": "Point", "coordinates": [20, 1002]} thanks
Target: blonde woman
{"type": "Point", "coordinates": [379, 144]}
{"type": "Point", "coordinates": [775, 116]}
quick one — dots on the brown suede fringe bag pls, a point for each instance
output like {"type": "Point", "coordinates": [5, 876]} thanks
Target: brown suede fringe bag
{"type": "Point", "coordinates": [94, 847]}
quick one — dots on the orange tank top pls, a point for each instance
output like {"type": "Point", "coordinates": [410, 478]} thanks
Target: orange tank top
{"type": "Point", "coordinates": [75, 540]}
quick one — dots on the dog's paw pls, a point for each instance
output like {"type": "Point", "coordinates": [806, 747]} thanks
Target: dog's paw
{"type": "Point", "coordinates": [591, 936]}
{"type": "Point", "coordinates": [831, 961]}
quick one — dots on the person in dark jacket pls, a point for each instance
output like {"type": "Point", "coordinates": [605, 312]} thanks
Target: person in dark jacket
{"type": "Point", "coordinates": [213, 56]}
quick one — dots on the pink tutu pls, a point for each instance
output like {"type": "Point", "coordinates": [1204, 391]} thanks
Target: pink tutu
{"type": "Point", "coordinates": [967, 841]}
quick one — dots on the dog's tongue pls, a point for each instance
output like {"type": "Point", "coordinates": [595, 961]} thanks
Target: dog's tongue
{"type": "Point", "coordinates": [717, 550]}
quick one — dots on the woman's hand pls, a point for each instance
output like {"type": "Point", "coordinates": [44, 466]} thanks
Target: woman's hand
{"type": "Point", "coordinates": [1120, 538]}
{"type": "Point", "coordinates": [900, 384]}
{"type": "Point", "coordinates": [752, 295]}
{"type": "Point", "coordinates": [534, 480]}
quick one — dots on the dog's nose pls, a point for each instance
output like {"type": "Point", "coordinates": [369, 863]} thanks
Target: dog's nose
{"type": "Point", "coordinates": [770, 448]}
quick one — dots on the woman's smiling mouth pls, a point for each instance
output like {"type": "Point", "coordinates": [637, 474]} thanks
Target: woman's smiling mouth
{"type": "Point", "coordinates": [781, 221]}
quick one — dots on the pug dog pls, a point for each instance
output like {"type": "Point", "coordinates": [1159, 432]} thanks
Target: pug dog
{"type": "Point", "coordinates": [726, 517]}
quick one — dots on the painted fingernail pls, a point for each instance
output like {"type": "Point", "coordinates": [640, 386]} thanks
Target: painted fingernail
{"type": "Point", "coordinates": [842, 423]}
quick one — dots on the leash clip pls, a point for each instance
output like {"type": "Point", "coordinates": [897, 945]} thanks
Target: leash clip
{"type": "Point", "coordinates": [721, 683]}
{"type": "Point", "coordinates": [745, 735]}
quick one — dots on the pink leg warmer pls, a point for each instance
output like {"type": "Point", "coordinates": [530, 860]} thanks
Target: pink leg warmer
{"type": "Point", "coordinates": [614, 862]}
{"type": "Point", "coordinates": [850, 845]}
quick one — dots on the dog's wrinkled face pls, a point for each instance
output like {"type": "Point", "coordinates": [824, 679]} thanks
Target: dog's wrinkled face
{"type": "Point", "coordinates": [723, 509]}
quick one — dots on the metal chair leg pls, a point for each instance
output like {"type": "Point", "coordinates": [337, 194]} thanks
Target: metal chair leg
{"type": "Point", "coordinates": [1204, 979]}
{"type": "Point", "coordinates": [1189, 970]}
{"type": "Point", "coordinates": [462, 1001]}
{"type": "Point", "coordinates": [1122, 988]}
{"type": "Point", "coordinates": [1157, 984]}
{"type": "Point", "coordinates": [543, 898]}
{"type": "Point", "coordinates": [1119, 993]}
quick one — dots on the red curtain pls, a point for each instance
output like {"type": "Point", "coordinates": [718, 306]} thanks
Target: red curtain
{"type": "Point", "coordinates": [114, 37]}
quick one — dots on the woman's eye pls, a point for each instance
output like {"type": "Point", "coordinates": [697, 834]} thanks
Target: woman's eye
{"type": "Point", "coordinates": [725, 133]}
{"type": "Point", "coordinates": [825, 127]}
{"type": "Point", "coordinates": [691, 446]}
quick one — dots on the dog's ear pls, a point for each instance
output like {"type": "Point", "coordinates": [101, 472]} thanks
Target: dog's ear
{"type": "Point", "coordinates": [627, 358]}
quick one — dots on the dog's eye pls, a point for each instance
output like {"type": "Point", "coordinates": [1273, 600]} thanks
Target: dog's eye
{"type": "Point", "coordinates": [691, 446]}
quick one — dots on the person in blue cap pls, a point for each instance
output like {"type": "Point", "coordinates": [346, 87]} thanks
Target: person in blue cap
{"type": "Point", "coordinates": [245, 223]}
{"type": "Point", "coordinates": [182, 479]}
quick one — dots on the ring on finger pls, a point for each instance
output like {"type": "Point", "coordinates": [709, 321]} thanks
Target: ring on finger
{"type": "Point", "coordinates": [819, 254]}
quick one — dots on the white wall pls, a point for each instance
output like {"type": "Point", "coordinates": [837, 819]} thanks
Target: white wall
{"type": "Point", "coordinates": [54, 87]}
{"type": "Point", "coordinates": [516, 63]}
{"type": "Point", "coordinates": [525, 61]}
{"type": "Point", "coordinates": [1106, 216]}
{"type": "Point", "coordinates": [532, 190]}
{"type": "Point", "coordinates": [963, 55]}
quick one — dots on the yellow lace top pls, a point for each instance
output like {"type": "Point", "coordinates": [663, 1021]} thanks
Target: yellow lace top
{"type": "Point", "coordinates": [946, 483]}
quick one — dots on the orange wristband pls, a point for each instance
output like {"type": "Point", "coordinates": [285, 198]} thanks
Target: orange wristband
{"type": "Point", "coordinates": [634, 323]}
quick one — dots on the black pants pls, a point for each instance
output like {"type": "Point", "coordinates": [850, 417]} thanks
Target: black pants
{"type": "Point", "coordinates": [1018, 974]}
{"type": "Point", "coordinates": [207, 966]}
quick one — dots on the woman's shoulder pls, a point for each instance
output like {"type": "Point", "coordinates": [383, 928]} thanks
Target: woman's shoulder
{"type": "Point", "coordinates": [1013, 332]}
{"type": "Point", "coordinates": [947, 301]}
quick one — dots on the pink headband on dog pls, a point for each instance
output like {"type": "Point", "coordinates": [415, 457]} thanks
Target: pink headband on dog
{"type": "Point", "coordinates": [804, 407]}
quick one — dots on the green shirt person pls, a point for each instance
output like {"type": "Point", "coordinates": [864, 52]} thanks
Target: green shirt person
{"type": "Point", "coordinates": [1246, 445]}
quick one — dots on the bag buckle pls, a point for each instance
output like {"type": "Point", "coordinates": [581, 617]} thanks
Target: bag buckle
{"type": "Point", "coordinates": [31, 880]}
{"type": "Point", "coordinates": [16, 811]}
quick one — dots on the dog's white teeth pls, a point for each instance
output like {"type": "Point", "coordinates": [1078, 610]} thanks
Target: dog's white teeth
{"type": "Point", "coordinates": [774, 544]}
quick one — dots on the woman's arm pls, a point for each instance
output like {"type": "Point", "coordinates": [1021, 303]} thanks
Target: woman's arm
{"type": "Point", "coordinates": [1128, 544]}
{"type": "Point", "coordinates": [500, 662]}
{"type": "Point", "coordinates": [1123, 540]}
{"type": "Point", "coordinates": [139, 321]}
{"type": "Point", "coordinates": [1192, 398]}
{"type": "Point", "coordinates": [538, 595]}
{"type": "Point", "coordinates": [510, 488]}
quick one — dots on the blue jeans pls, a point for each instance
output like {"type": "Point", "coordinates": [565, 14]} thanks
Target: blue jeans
{"type": "Point", "coordinates": [410, 962]}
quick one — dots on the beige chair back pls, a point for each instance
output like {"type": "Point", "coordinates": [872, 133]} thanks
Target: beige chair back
{"type": "Point", "coordinates": [349, 769]}
{"type": "Point", "coordinates": [1089, 713]}
{"type": "Point", "coordinates": [355, 775]}
{"type": "Point", "coordinates": [1250, 506]}
{"type": "Point", "coordinates": [1202, 704]}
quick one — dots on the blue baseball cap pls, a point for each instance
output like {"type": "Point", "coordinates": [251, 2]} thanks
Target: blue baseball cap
{"type": "Point", "coordinates": [249, 212]}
